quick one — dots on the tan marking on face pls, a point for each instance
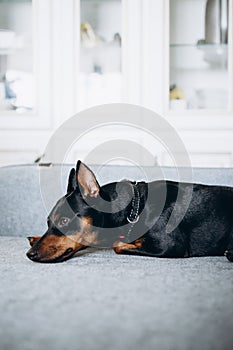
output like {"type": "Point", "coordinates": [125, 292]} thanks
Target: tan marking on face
{"type": "Point", "coordinates": [52, 246]}
{"type": "Point", "coordinates": [86, 221]}
{"type": "Point", "coordinates": [57, 217]}
{"type": "Point", "coordinates": [87, 235]}
{"type": "Point", "coordinates": [120, 246]}
{"type": "Point", "coordinates": [33, 240]}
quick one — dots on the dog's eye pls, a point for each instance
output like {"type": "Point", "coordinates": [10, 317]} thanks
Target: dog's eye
{"type": "Point", "coordinates": [69, 250]}
{"type": "Point", "coordinates": [63, 221]}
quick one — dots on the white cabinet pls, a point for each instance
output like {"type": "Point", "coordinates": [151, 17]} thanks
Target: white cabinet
{"type": "Point", "coordinates": [201, 112]}
{"type": "Point", "coordinates": [25, 65]}
{"type": "Point", "coordinates": [130, 51]}
{"type": "Point", "coordinates": [200, 54]}
{"type": "Point", "coordinates": [198, 72]}
{"type": "Point", "coordinates": [100, 74]}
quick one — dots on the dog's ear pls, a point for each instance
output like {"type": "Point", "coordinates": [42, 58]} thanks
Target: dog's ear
{"type": "Point", "coordinates": [87, 181]}
{"type": "Point", "coordinates": [72, 181]}
{"type": "Point", "coordinates": [33, 240]}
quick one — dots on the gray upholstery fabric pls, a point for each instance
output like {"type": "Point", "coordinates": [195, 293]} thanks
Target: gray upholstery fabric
{"type": "Point", "coordinates": [107, 301]}
{"type": "Point", "coordinates": [101, 300]}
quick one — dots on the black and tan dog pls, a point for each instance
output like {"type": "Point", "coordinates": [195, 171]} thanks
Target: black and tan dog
{"type": "Point", "coordinates": [77, 222]}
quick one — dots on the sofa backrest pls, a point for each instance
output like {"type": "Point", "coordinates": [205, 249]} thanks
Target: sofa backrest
{"type": "Point", "coordinates": [24, 209]}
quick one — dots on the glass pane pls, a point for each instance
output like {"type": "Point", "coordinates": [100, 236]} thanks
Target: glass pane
{"type": "Point", "coordinates": [16, 56]}
{"type": "Point", "coordinates": [199, 76]}
{"type": "Point", "coordinates": [100, 53]}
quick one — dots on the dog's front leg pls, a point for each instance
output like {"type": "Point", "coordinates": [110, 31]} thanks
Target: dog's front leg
{"type": "Point", "coordinates": [123, 248]}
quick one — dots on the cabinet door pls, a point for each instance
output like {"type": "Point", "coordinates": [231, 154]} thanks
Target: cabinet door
{"type": "Point", "coordinates": [24, 64]}
{"type": "Point", "coordinates": [100, 54]}
{"type": "Point", "coordinates": [200, 57]}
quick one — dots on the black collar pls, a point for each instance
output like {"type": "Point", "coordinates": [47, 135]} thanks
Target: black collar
{"type": "Point", "coordinates": [133, 216]}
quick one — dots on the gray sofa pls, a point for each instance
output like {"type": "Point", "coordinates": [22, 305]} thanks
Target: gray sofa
{"type": "Point", "coordinates": [100, 300]}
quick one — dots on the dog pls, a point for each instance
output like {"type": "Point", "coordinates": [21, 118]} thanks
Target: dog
{"type": "Point", "coordinates": [119, 215]}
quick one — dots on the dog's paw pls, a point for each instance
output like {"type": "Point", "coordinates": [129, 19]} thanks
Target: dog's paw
{"type": "Point", "coordinates": [119, 246]}
{"type": "Point", "coordinates": [229, 254]}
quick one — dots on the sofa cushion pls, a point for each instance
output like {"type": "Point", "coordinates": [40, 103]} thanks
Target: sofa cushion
{"type": "Point", "coordinates": [107, 301]}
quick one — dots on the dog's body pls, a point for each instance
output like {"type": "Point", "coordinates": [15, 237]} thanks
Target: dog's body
{"type": "Point", "coordinates": [136, 224]}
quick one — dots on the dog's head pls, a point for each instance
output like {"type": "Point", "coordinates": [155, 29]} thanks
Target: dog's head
{"type": "Point", "coordinates": [70, 223]}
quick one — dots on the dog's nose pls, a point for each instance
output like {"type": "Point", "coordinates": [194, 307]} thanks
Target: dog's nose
{"type": "Point", "coordinates": [32, 255]}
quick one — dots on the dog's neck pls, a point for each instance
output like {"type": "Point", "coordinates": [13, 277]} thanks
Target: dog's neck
{"type": "Point", "coordinates": [125, 211]}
